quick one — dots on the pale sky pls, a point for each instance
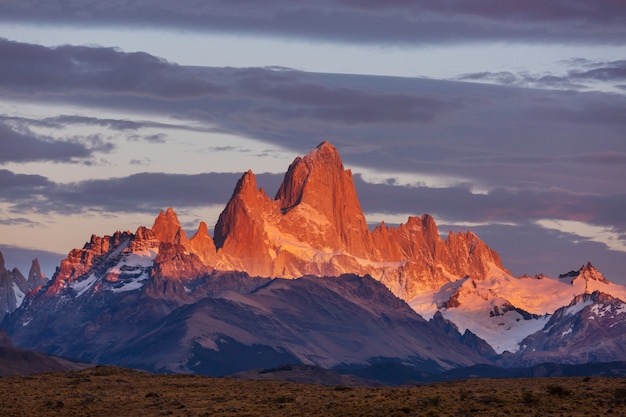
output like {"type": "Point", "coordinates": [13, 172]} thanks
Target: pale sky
{"type": "Point", "coordinates": [510, 121]}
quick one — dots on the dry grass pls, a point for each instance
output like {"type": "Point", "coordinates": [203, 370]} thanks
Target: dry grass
{"type": "Point", "coordinates": [108, 391]}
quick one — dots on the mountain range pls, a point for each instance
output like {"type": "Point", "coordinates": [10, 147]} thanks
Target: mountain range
{"type": "Point", "coordinates": [301, 279]}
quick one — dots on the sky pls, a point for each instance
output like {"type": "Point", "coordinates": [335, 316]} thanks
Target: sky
{"type": "Point", "coordinates": [506, 118]}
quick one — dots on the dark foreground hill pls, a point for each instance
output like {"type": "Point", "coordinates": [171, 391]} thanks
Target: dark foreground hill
{"type": "Point", "coordinates": [109, 391]}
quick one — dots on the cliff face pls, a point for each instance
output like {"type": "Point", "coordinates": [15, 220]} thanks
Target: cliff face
{"type": "Point", "coordinates": [318, 190]}
{"type": "Point", "coordinates": [315, 226]}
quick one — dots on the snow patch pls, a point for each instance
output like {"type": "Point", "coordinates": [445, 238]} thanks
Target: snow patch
{"type": "Point", "coordinates": [568, 331]}
{"type": "Point", "coordinates": [82, 286]}
{"type": "Point", "coordinates": [600, 310]}
{"type": "Point", "coordinates": [504, 332]}
{"type": "Point", "coordinates": [131, 284]}
{"type": "Point", "coordinates": [571, 310]}
{"type": "Point", "coordinates": [19, 295]}
{"type": "Point", "coordinates": [133, 270]}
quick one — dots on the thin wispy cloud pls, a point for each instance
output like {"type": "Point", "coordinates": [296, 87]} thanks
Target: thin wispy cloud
{"type": "Point", "coordinates": [368, 22]}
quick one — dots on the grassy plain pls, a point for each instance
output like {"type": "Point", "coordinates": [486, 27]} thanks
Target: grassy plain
{"type": "Point", "coordinates": [110, 391]}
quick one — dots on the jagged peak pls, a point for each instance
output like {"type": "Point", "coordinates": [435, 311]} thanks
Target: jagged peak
{"type": "Point", "coordinates": [247, 181]}
{"type": "Point", "coordinates": [590, 273]}
{"type": "Point", "coordinates": [595, 297]}
{"type": "Point", "coordinates": [324, 152]}
{"type": "Point", "coordinates": [166, 227]}
{"type": "Point", "coordinates": [323, 162]}
{"type": "Point", "coordinates": [425, 222]}
{"type": "Point", "coordinates": [203, 229]}
{"type": "Point", "coordinates": [143, 233]}
{"type": "Point", "coordinates": [246, 188]}
{"type": "Point", "coordinates": [1, 261]}
{"type": "Point", "coordinates": [35, 269]}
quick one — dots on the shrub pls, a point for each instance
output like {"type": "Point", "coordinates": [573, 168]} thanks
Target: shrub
{"type": "Point", "coordinates": [555, 389]}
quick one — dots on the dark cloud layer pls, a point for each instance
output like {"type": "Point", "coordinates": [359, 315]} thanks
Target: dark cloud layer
{"type": "Point", "coordinates": [357, 21]}
{"type": "Point", "coordinates": [35, 68]}
{"type": "Point", "coordinates": [25, 146]}
{"type": "Point", "coordinates": [145, 192]}
{"type": "Point", "coordinates": [532, 138]}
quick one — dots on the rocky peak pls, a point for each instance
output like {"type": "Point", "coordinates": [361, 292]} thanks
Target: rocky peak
{"type": "Point", "coordinates": [167, 228]}
{"type": "Point", "coordinates": [471, 255]}
{"type": "Point", "coordinates": [246, 187]}
{"type": "Point", "coordinates": [202, 244]}
{"type": "Point", "coordinates": [320, 170]}
{"type": "Point", "coordinates": [590, 273]}
{"type": "Point", "coordinates": [35, 277]}
{"type": "Point", "coordinates": [1, 261]}
{"type": "Point", "coordinates": [320, 184]}
{"type": "Point", "coordinates": [238, 223]}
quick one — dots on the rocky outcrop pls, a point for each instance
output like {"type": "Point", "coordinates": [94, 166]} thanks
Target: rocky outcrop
{"type": "Point", "coordinates": [166, 228]}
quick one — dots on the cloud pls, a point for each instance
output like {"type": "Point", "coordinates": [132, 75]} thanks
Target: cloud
{"type": "Point", "coordinates": [588, 74]}
{"type": "Point", "coordinates": [352, 21]}
{"type": "Point", "coordinates": [9, 179]}
{"type": "Point", "coordinates": [155, 138]}
{"type": "Point", "coordinates": [25, 146]}
{"type": "Point", "coordinates": [20, 221]}
{"type": "Point", "coordinates": [614, 71]}
{"type": "Point", "coordinates": [420, 126]}
{"type": "Point", "coordinates": [144, 192]}
{"type": "Point", "coordinates": [36, 69]}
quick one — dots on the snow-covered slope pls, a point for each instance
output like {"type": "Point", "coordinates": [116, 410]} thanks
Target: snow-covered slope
{"type": "Point", "coordinates": [503, 310]}
{"type": "Point", "coordinates": [592, 328]}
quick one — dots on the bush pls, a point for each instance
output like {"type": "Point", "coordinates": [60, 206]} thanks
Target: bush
{"type": "Point", "coordinates": [555, 389]}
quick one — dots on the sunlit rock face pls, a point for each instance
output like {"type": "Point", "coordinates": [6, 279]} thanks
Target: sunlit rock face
{"type": "Point", "coordinates": [315, 226]}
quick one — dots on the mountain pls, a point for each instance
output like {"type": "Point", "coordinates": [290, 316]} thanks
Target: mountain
{"type": "Point", "coordinates": [315, 226]}
{"type": "Point", "coordinates": [14, 286]}
{"type": "Point", "coordinates": [592, 328]}
{"type": "Point", "coordinates": [504, 310]}
{"type": "Point", "coordinates": [299, 278]}
{"type": "Point", "coordinates": [229, 322]}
